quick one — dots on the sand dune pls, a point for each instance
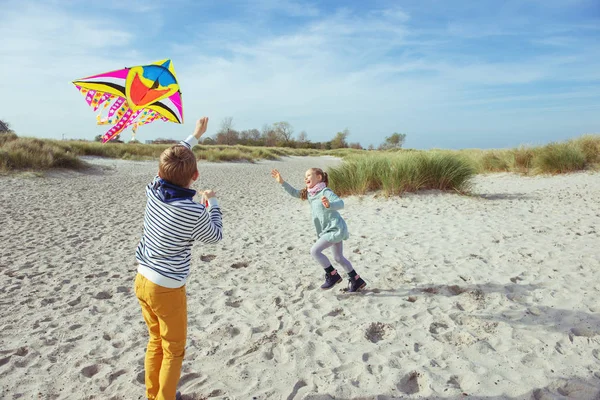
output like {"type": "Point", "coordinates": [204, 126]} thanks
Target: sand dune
{"type": "Point", "coordinates": [494, 295]}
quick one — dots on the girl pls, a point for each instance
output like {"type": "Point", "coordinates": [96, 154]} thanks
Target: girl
{"type": "Point", "coordinates": [331, 227]}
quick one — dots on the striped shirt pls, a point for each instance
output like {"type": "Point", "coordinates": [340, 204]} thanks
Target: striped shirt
{"type": "Point", "coordinates": [170, 228]}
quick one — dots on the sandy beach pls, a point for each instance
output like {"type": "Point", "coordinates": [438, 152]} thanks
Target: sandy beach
{"type": "Point", "coordinates": [495, 295]}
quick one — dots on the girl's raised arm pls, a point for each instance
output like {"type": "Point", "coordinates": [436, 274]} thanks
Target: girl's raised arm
{"type": "Point", "coordinates": [288, 188]}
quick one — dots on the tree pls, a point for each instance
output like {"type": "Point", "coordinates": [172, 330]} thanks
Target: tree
{"type": "Point", "coordinates": [227, 135]}
{"type": "Point", "coordinates": [4, 127]}
{"type": "Point", "coordinates": [226, 124]}
{"type": "Point", "coordinates": [302, 138]}
{"type": "Point", "coordinates": [284, 130]}
{"type": "Point", "coordinates": [356, 146]}
{"type": "Point", "coordinates": [245, 135]}
{"type": "Point", "coordinates": [339, 142]}
{"type": "Point", "coordinates": [269, 135]}
{"type": "Point", "coordinates": [395, 141]}
{"type": "Point", "coordinates": [254, 135]}
{"type": "Point", "coordinates": [250, 137]}
{"type": "Point", "coordinates": [371, 147]}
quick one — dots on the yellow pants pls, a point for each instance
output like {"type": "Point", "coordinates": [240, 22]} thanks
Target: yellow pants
{"type": "Point", "coordinates": [165, 313]}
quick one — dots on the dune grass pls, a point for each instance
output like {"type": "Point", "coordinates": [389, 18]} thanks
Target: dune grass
{"type": "Point", "coordinates": [560, 158]}
{"type": "Point", "coordinates": [396, 173]}
{"type": "Point", "coordinates": [393, 171]}
{"type": "Point", "coordinates": [21, 153]}
{"type": "Point", "coordinates": [578, 154]}
{"type": "Point", "coordinates": [37, 155]}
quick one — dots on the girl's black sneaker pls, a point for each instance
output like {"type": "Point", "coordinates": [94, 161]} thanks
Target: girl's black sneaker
{"type": "Point", "coordinates": [354, 285]}
{"type": "Point", "coordinates": [331, 280]}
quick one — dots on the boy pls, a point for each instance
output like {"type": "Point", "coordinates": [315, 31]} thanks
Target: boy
{"type": "Point", "coordinates": [172, 221]}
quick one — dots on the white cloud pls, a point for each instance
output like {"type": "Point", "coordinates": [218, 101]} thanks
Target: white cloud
{"type": "Point", "coordinates": [373, 73]}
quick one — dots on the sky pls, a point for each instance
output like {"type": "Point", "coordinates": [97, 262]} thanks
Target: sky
{"type": "Point", "coordinates": [447, 73]}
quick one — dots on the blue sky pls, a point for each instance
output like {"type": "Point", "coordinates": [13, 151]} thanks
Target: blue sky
{"type": "Point", "coordinates": [449, 74]}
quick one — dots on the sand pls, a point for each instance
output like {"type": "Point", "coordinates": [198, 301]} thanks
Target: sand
{"type": "Point", "coordinates": [493, 295]}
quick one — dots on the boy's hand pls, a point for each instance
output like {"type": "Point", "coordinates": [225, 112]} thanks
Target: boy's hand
{"type": "Point", "coordinates": [275, 174]}
{"type": "Point", "coordinates": [201, 126]}
{"type": "Point", "coordinates": [325, 202]}
{"type": "Point", "coordinates": [208, 194]}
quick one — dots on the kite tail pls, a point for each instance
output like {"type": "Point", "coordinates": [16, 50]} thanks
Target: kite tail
{"type": "Point", "coordinates": [121, 124]}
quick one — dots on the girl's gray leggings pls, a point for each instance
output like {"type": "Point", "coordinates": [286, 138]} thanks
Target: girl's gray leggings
{"type": "Point", "coordinates": [317, 252]}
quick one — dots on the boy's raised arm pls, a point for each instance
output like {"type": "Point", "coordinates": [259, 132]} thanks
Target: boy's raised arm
{"type": "Point", "coordinates": [200, 129]}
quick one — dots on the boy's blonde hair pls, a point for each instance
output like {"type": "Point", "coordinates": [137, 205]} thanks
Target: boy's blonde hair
{"type": "Point", "coordinates": [177, 165]}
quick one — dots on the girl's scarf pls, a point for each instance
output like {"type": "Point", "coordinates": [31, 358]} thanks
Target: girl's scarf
{"type": "Point", "coordinates": [317, 188]}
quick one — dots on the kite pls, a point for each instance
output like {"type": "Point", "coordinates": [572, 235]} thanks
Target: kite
{"type": "Point", "coordinates": [134, 96]}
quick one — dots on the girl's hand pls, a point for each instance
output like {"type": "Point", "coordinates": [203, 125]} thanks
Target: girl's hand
{"type": "Point", "coordinates": [275, 174]}
{"type": "Point", "coordinates": [325, 202]}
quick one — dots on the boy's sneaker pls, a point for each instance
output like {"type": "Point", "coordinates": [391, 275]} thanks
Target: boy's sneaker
{"type": "Point", "coordinates": [331, 280]}
{"type": "Point", "coordinates": [354, 285]}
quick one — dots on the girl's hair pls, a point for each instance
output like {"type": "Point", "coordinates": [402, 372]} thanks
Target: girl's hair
{"type": "Point", "coordinates": [324, 178]}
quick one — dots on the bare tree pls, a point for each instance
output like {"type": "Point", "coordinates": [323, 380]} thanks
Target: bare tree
{"type": "Point", "coordinates": [254, 134]}
{"type": "Point", "coordinates": [226, 124]}
{"type": "Point", "coordinates": [4, 127]}
{"type": "Point", "coordinates": [250, 137]}
{"type": "Point", "coordinates": [245, 135]}
{"type": "Point", "coordinates": [302, 137]}
{"type": "Point", "coordinates": [269, 135]}
{"type": "Point", "coordinates": [284, 130]}
{"type": "Point", "coordinates": [226, 134]}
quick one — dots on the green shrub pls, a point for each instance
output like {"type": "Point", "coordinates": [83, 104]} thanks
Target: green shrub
{"type": "Point", "coordinates": [558, 158]}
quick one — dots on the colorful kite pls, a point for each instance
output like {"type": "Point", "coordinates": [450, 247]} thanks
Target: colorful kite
{"type": "Point", "coordinates": [134, 96]}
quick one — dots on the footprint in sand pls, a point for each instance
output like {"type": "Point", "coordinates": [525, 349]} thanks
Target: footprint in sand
{"type": "Point", "coordinates": [90, 371]}
{"type": "Point", "coordinates": [22, 351]}
{"type": "Point", "coordinates": [141, 378]}
{"type": "Point", "coordinates": [112, 377]}
{"type": "Point", "coordinates": [411, 383]}
{"type": "Point", "coordinates": [335, 312]}
{"type": "Point", "coordinates": [188, 377]}
{"type": "Point", "coordinates": [584, 331]}
{"type": "Point", "coordinates": [378, 331]}
{"type": "Point", "coordinates": [103, 296]}
{"type": "Point", "coordinates": [239, 265]}
{"type": "Point", "coordinates": [437, 327]}
{"type": "Point", "coordinates": [234, 303]}
{"type": "Point", "coordinates": [454, 383]}
{"type": "Point", "coordinates": [207, 257]}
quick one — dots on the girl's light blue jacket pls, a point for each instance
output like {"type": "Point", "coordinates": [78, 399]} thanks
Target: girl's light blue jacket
{"type": "Point", "coordinates": [329, 223]}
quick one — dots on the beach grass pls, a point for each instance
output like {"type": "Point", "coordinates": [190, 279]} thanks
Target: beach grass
{"type": "Point", "coordinates": [393, 171]}
{"type": "Point", "coordinates": [396, 173]}
{"type": "Point", "coordinates": [37, 155]}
